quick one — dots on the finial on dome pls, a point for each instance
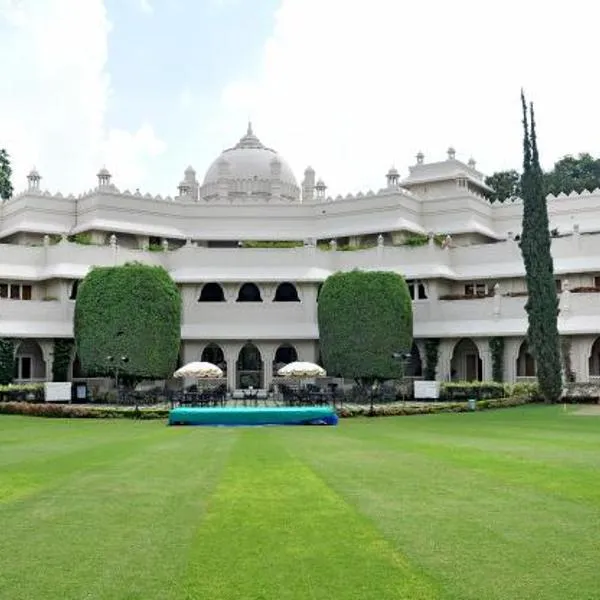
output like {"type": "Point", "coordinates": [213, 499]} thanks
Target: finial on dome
{"type": "Point", "coordinates": [249, 140]}
{"type": "Point", "coordinates": [472, 163]}
{"type": "Point", "coordinates": [420, 158]}
{"type": "Point", "coordinates": [451, 153]}
{"type": "Point", "coordinates": [103, 177]}
{"type": "Point", "coordinates": [249, 131]}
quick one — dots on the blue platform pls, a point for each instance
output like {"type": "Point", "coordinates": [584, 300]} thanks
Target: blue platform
{"type": "Point", "coordinates": [242, 415]}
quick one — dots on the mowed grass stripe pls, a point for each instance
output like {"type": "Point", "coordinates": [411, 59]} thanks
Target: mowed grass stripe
{"type": "Point", "coordinates": [480, 527]}
{"type": "Point", "coordinates": [274, 529]}
{"type": "Point", "coordinates": [119, 530]}
{"type": "Point", "coordinates": [31, 462]}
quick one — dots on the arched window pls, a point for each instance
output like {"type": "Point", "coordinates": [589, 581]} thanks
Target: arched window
{"type": "Point", "coordinates": [213, 353]}
{"type": "Point", "coordinates": [249, 367]}
{"type": "Point", "coordinates": [286, 292]}
{"type": "Point", "coordinates": [74, 290]}
{"type": "Point", "coordinates": [211, 292]}
{"type": "Point", "coordinates": [249, 292]}
{"type": "Point", "coordinates": [285, 354]}
{"type": "Point", "coordinates": [525, 362]}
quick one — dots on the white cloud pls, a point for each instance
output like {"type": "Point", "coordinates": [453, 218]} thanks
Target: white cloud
{"type": "Point", "coordinates": [352, 87]}
{"type": "Point", "coordinates": [54, 92]}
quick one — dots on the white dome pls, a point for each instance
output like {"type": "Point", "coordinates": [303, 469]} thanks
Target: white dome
{"type": "Point", "coordinates": [250, 169]}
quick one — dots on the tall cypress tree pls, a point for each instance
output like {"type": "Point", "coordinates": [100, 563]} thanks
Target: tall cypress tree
{"type": "Point", "coordinates": [542, 302]}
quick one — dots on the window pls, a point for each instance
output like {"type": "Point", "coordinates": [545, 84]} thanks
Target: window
{"type": "Point", "coordinates": [23, 367]}
{"type": "Point", "coordinates": [211, 292]}
{"type": "Point", "coordinates": [74, 290]}
{"type": "Point", "coordinates": [286, 292]}
{"type": "Point", "coordinates": [476, 290]}
{"type": "Point", "coordinates": [249, 292]}
{"type": "Point", "coordinates": [417, 289]}
{"type": "Point", "coordinates": [558, 284]}
{"type": "Point", "coordinates": [597, 281]}
{"type": "Point", "coordinates": [15, 291]}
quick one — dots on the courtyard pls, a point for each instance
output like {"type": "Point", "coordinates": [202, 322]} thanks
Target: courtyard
{"type": "Point", "coordinates": [499, 504]}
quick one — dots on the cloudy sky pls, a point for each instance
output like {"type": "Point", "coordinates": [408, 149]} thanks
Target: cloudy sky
{"type": "Point", "coordinates": [147, 87]}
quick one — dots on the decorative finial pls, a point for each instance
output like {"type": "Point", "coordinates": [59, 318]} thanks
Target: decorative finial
{"type": "Point", "coordinates": [420, 158]}
{"type": "Point", "coordinates": [472, 163]}
{"type": "Point", "coordinates": [451, 153]}
{"type": "Point", "coordinates": [249, 132]}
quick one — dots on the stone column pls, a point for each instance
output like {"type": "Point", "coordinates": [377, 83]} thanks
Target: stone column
{"type": "Point", "coordinates": [47, 348]}
{"type": "Point", "coordinates": [445, 352]}
{"type": "Point", "coordinates": [483, 346]}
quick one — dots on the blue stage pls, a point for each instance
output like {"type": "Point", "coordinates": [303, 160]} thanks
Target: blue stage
{"type": "Point", "coordinates": [242, 415]}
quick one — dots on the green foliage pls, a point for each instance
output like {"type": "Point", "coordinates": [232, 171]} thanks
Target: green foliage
{"type": "Point", "coordinates": [272, 244]}
{"type": "Point", "coordinates": [432, 346]}
{"type": "Point", "coordinates": [85, 238]}
{"type": "Point", "coordinates": [6, 188]}
{"type": "Point", "coordinates": [131, 311]}
{"type": "Point", "coordinates": [542, 301]}
{"type": "Point", "coordinates": [506, 185]}
{"type": "Point", "coordinates": [7, 360]}
{"type": "Point", "coordinates": [573, 174]}
{"type": "Point", "coordinates": [479, 390]}
{"type": "Point", "coordinates": [527, 389]}
{"type": "Point", "coordinates": [63, 353]}
{"type": "Point", "coordinates": [497, 352]}
{"type": "Point", "coordinates": [364, 318]}
{"type": "Point", "coordinates": [423, 240]}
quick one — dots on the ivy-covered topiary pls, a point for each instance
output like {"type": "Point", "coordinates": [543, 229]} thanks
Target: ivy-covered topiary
{"type": "Point", "coordinates": [7, 360]}
{"type": "Point", "coordinates": [432, 346]}
{"type": "Point", "coordinates": [364, 318]}
{"type": "Point", "coordinates": [61, 361]}
{"type": "Point", "coordinates": [497, 352]}
{"type": "Point", "coordinates": [130, 312]}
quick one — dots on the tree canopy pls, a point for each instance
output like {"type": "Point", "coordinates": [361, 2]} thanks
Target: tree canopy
{"type": "Point", "coordinates": [542, 301]}
{"type": "Point", "coordinates": [364, 318]}
{"type": "Point", "coordinates": [6, 188]}
{"type": "Point", "coordinates": [132, 312]}
{"type": "Point", "coordinates": [567, 175]}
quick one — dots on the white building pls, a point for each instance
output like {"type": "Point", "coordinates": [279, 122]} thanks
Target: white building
{"type": "Point", "coordinates": [254, 307]}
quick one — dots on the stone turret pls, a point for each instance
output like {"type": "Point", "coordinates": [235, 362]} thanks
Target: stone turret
{"type": "Point", "coordinates": [33, 181]}
{"type": "Point", "coordinates": [321, 188]}
{"type": "Point", "coordinates": [188, 187]}
{"type": "Point", "coordinates": [392, 177]}
{"type": "Point", "coordinates": [308, 185]}
{"type": "Point", "coordinates": [103, 178]}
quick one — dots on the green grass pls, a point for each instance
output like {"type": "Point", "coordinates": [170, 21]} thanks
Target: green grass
{"type": "Point", "coordinates": [495, 505]}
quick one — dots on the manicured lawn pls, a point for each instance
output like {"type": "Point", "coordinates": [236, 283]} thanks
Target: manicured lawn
{"type": "Point", "coordinates": [496, 505]}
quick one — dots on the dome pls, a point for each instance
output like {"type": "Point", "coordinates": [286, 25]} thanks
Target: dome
{"type": "Point", "coordinates": [250, 169]}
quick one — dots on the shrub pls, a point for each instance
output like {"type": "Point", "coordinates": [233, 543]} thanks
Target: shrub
{"type": "Point", "coordinates": [364, 318]}
{"type": "Point", "coordinates": [131, 311]}
{"type": "Point", "coordinates": [479, 390]}
{"type": "Point", "coordinates": [7, 360]}
{"type": "Point", "coordinates": [68, 411]}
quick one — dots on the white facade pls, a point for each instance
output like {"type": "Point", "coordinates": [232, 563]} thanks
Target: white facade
{"type": "Point", "coordinates": [467, 289]}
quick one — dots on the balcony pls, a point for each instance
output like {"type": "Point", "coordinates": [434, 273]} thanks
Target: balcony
{"type": "Point", "coordinates": [36, 318]}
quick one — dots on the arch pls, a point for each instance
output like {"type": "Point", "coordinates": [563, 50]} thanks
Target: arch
{"type": "Point", "coordinates": [76, 368]}
{"type": "Point", "coordinates": [29, 361]}
{"type": "Point", "coordinates": [526, 366]}
{"type": "Point", "coordinates": [285, 354]}
{"type": "Point", "coordinates": [213, 353]}
{"type": "Point", "coordinates": [594, 358]}
{"type": "Point", "coordinates": [249, 367]}
{"type": "Point", "coordinates": [286, 292]}
{"type": "Point", "coordinates": [249, 292]}
{"type": "Point", "coordinates": [466, 363]}
{"type": "Point", "coordinates": [415, 365]}
{"type": "Point", "coordinates": [212, 292]}
{"type": "Point", "coordinates": [74, 289]}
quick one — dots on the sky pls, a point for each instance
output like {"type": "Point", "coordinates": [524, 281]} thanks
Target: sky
{"type": "Point", "coordinates": [148, 87]}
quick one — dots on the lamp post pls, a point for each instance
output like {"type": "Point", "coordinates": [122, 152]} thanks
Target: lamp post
{"type": "Point", "coordinates": [111, 360]}
{"type": "Point", "coordinates": [405, 359]}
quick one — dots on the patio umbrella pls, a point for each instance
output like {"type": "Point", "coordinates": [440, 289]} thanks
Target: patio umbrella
{"type": "Point", "coordinates": [199, 370]}
{"type": "Point", "coordinates": [301, 370]}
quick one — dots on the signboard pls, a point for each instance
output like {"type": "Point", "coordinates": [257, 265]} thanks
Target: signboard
{"type": "Point", "coordinates": [426, 390]}
{"type": "Point", "coordinates": [57, 391]}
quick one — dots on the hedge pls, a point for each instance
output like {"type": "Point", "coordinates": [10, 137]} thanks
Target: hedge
{"type": "Point", "coordinates": [364, 318]}
{"type": "Point", "coordinates": [67, 411]}
{"type": "Point", "coordinates": [131, 311]}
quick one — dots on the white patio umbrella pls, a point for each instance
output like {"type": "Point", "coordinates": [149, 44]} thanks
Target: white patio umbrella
{"type": "Point", "coordinates": [302, 369]}
{"type": "Point", "coordinates": [199, 370]}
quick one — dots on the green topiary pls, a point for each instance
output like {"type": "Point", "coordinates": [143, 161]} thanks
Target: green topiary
{"type": "Point", "coordinates": [497, 352]}
{"type": "Point", "coordinates": [131, 311]}
{"type": "Point", "coordinates": [7, 360]}
{"type": "Point", "coordinates": [61, 361]}
{"type": "Point", "coordinates": [364, 318]}
{"type": "Point", "coordinates": [432, 346]}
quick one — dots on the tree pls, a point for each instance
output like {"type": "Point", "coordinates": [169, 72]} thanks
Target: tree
{"type": "Point", "coordinates": [506, 185]}
{"type": "Point", "coordinates": [6, 189]}
{"type": "Point", "coordinates": [132, 312]}
{"type": "Point", "coordinates": [542, 302]}
{"type": "Point", "coordinates": [573, 174]}
{"type": "Point", "coordinates": [364, 318]}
